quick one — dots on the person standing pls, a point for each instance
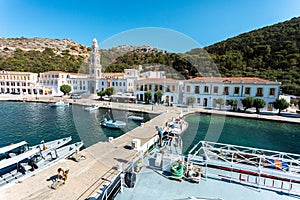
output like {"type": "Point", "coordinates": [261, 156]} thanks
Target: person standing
{"type": "Point", "coordinates": [160, 134]}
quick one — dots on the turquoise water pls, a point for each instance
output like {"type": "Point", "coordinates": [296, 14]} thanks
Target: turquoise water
{"type": "Point", "coordinates": [245, 132]}
{"type": "Point", "coordinates": [34, 122]}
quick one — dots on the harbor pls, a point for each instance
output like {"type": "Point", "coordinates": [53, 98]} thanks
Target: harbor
{"type": "Point", "coordinates": [104, 160]}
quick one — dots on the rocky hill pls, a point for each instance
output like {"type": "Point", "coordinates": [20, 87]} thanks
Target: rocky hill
{"type": "Point", "coordinates": [8, 46]}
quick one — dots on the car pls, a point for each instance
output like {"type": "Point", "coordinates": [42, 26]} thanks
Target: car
{"type": "Point", "coordinates": [75, 96]}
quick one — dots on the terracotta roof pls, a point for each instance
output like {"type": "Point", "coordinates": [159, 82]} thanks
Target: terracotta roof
{"type": "Point", "coordinates": [158, 80]}
{"type": "Point", "coordinates": [231, 79]}
{"type": "Point", "coordinates": [15, 72]}
{"type": "Point", "coordinates": [113, 73]}
{"type": "Point", "coordinates": [55, 72]}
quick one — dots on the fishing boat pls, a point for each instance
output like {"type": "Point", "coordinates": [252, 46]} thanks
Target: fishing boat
{"type": "Point", "coordinates": [92, 108]}
{"type": "Point", "coordinates": [109, 123]}
{"type": "Point", "coordinates": [52, 144]}
{"type": "Point", "coordinates": [33, 161]}
{"type": "Point", "coordinates": [135, 118]}
{"type": "Point", "coordinates": [177, 125]}
{"type": "Point", "coordinates": [59, 104]}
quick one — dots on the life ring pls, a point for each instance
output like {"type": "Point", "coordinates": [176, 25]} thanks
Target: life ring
{"type": "Point", "coordinates": [177, 170]}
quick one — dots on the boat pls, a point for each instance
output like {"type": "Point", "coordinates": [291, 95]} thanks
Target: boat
{"type": "Point", "coordinates": [135, 118]}
{"type": "Point", "coordinates": [33, 161]}
{"type": "Point", "coordinates": [114, 124]}
{"type": "Point", "coordinates": [52, 144]}
{"type": "Point", "coordinates": [224, 171]}
{"type": "Point", "coordinates": [92, 108]}
{"type": "Point", "coordinates": [177, 125]}
{"type": "Point", "coordinates": [59, 104]}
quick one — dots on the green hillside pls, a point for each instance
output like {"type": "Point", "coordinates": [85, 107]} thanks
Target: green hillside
{"type": "Point", "coordinates": [272, 52]}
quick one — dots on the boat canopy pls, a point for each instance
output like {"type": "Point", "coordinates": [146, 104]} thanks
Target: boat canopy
{"type": "Point", "coordinates": [18, 158]}
{"type": "Point", "coordinates": [11, 147]}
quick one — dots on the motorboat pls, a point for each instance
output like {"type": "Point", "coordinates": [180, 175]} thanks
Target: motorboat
{"type": "Point", "coordinates": [177, 125]}
{"type": "Point", "coordinates": [59, 104]}
{"type": "Point", "coordinates": [13, 150]}
{"type": "Point", "coordinates": [92, 108]}
{"type": "Point", "coordinates": [109, 123]}
{"type": "Point", "coordinates": [135, 118]}
{"type": "Point", "coordinates": [32, 161]}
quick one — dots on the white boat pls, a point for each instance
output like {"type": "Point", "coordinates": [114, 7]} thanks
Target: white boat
{"type": "Point", "coordinates": [92, 108]}
{"type": "Point", "coordinates": [112, 124]}
{"type": "Point", "coordinates": [32, 161]}
{"type": "Point", "coordinates": [9, 154]}
{"type": "Point", "coordinates": [59, 104]}
{"type": "Point", "coordinates": [177, 125]}
{"type": "Point", "coordinates": [135, 118]}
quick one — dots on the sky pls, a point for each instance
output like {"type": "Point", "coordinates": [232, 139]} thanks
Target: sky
{"type": "Point", "coordinates": [200, 22]}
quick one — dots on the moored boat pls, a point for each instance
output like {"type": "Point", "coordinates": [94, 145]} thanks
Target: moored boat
{"type": "Point", "coordinates": [59, 104]}
{"type": "Point", "coordinates": [112, 124]}
{"type": "Point", "coordinates": [92, 108]}
{"type": "Point", "coordinates": [33, 161]}
{"type": "Point", "coordinates": [135, 118]}
{"type": "Point", "coordinates": [177, 125]}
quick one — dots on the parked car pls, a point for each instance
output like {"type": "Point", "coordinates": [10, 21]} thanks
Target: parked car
{"type": "Point", "coordinates": [75, 96]}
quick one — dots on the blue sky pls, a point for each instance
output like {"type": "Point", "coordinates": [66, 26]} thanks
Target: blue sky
{"type": "Point", "coordinates": [205, 21]}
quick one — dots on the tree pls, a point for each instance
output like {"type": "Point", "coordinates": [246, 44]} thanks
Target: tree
{"type": "Point", "coordinates": [191, 100]}
{"type": "Point", "coordinates": [110, 91]}
{"type": "Point", "coordinates": [232, 103]}
{"type": "Point", "coordinates": [258, 103]}
{"type": "Point", "coordinates": [221, 102]}
{"type": "Point", "coordinates": [247, 103]}
{"type": "Point", "coordinates": [159, 95]}
{"type": "Point", "coordinates": [280, 104]}
{"type": "Point", "coordinates": [66, 89]}
{"type": "Point", "coordinates": [148, 95]}
{"type": "Point", "coordinates": [101, 93]}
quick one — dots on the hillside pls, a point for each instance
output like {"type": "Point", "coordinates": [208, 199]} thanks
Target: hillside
{"type": "Point", "coordinates": [272, 52]}
{"type": "Point", "coordinates": [41, 54]}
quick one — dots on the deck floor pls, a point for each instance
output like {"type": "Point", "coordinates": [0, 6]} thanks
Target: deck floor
{"type": "Point", "coordinates": [152, 185]}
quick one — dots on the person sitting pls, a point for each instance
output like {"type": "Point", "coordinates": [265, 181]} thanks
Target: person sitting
{"type": "Point", "coordinates": [60, 174]}
{"type": "Point", "coordinates": [65, 176]}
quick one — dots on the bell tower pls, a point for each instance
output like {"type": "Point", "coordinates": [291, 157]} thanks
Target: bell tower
{"type": "Point", "coordinates": [95, 68]}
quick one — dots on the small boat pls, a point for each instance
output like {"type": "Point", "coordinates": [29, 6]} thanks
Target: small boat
{"type": "Point", "coordinates": [112, 124]}
{"type": "Point", "coordinates": [59, 104]}
{"type": "Point", "coordinates": [52, 144]}
{"type": "Point", "coordinates": [177, 125]}
{"type": "Point", "coordinates": [135, 118]}
{"type": "Point", "coordinates": [91, 108]}
{"type": "Point", "coordinates": [33, 161]}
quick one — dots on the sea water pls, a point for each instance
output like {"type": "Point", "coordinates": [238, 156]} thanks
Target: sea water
{"type": "Point", "coordinates": [278, 136]}
{"type": "Point", "coordinates": [34, 122]}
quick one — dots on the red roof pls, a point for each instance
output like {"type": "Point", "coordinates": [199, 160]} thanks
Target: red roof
{"type": "Point", "coordinates": [231, 79]}
{"type": "Point", "coordinates": [158, 80]}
